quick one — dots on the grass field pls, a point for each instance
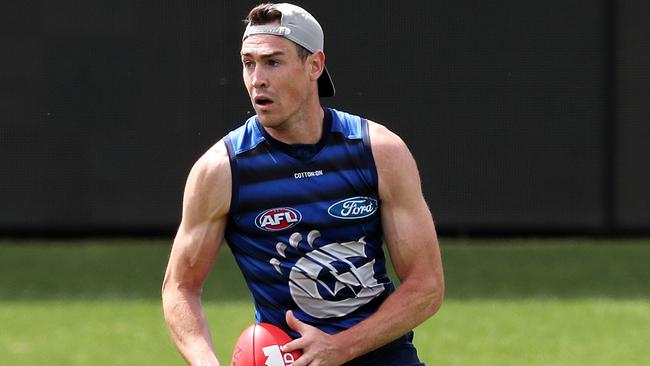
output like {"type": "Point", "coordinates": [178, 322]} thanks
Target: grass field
{"type": "Point", "coordinates": [509, 302]}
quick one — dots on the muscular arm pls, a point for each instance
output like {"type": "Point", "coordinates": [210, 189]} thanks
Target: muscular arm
{"type": "Point", "coordinates": [205, 207]}
{"type": "Point", "coordinates": [412, 244]}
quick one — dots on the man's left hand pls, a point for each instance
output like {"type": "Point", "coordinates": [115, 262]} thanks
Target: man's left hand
{"type": "Point", "coordinates": [318, 348]}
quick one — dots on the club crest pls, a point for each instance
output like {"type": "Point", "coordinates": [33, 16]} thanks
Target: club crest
{"type": "Point", "coordinates": [331, 280]}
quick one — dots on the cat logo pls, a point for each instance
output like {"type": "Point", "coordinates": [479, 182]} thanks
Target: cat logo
{"type": "Point", "coordinates": [324, 281]}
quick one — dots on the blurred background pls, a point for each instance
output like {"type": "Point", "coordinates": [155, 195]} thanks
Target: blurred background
{"type": "Point", "coordinates": [526, 117]}
{"type": "Point", "coordinates": [529, 121]}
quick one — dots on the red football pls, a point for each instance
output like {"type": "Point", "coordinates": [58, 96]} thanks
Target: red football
{"type": "Point", "coordinates": [259, 345]}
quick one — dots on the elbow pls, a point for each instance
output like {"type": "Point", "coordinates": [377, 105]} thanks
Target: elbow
{"type": "Point", "coordinates": [439, 298]}
{"type": "Point", "coordinates": [426, 293]}
{"type": "Point", "coordinates": [163, 288]}
{"type": "Point", "coordinates": [435, 294]}
{"type": "Point", "coordinates": [174, 292]}
{"type": "Point", "coordinates": [167, 289]}
{"type": "Point", "coordinates": [167, 296]}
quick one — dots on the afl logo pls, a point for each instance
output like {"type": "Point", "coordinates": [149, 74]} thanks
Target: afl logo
{"type": "Point", "coordinates": [353, 208]}
{"type": "Point", "coordinates": [277, 219]}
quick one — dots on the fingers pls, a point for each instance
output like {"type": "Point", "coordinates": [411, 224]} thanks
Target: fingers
{"type": "Point", "coordinates": [295, 345]}
{"type": "Point", "coordinates": [309, 344]}
{"type": "Point", "coordinates": [303, 360]}
{"type": "Point", "coordinates": [295, 323]}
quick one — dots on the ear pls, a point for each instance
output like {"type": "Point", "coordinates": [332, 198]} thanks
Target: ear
{"type": "Point", "coordinates": [316, 64]}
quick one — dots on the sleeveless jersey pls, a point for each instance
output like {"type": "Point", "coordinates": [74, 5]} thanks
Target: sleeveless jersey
{"type": "Point", "coordinates": [305, 224]}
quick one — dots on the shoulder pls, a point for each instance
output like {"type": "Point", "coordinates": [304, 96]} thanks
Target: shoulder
{"type": "Point", "coordinates": [214, 163]}
{"type": "Point", "coordinates": [245, 137]}
{"type": "Point", "coordinates": [387, 146]}
{"type": "Point", "coordinates": [396, 168]}
{"type": "Point", "coordinates": [209, 181]}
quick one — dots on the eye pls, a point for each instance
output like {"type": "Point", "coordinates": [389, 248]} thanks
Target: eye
{"type": "Point", "coordinates": [273, 62]}
{"type": "Point", "coordinates": [248, 64]}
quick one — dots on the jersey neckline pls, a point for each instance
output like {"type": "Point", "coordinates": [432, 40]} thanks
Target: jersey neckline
{"type": "Point", "coordinates": [301, 152]}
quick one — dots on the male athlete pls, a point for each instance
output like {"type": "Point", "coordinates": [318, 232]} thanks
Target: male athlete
{"type": "Point", "coordinates": [304, 197]}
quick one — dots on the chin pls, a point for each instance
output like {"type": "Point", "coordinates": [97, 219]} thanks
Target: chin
{"type": "Point", "coordinates": [268, 120]}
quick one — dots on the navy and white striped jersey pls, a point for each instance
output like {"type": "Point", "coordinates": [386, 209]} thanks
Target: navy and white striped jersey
{"type": "Point", "coordinates": [305, 224]}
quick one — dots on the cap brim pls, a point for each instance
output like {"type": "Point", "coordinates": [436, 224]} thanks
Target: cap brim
{"type": "Point", "coordinates": [325, 85]}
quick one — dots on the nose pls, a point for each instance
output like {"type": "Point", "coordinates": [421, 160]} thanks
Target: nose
{"type": "Point", "coordinates": [259, 78]}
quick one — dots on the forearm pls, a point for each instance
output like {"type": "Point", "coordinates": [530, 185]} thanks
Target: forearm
{"type": "Point", "coordinates": [407, 307]}
{"type": "Point", "coordinates": [189, 327]}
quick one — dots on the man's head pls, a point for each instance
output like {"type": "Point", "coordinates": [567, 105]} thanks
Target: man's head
{"type": "Point", "coordinates": [283, 62]}
{"type": "Point", "coordinates": [295, 24]}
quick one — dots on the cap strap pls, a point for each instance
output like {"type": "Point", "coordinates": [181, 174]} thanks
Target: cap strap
{"type": "Point", "coordinates": [276, 30]}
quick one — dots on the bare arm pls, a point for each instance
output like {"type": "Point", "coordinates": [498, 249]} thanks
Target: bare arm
{"type": "Point", "coordinates": [412, 244]}
{"type": "Point", "coordinates": [205, 207]}
{"type": "Point", "coordinates": [413, 247]}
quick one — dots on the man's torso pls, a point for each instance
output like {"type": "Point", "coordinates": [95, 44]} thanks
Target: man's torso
{"type": "Point", "coordinates": [305, 224]}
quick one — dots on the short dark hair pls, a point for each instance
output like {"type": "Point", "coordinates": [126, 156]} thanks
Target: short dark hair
{"type": "Point", "coordinates": [265, 14]}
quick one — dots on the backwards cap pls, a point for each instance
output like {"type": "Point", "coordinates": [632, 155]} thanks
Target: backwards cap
{"type": "Point", "coordinates": [300, 27]}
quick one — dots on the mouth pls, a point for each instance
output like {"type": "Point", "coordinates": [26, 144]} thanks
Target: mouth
{"type": "Point", "coordinates": [262, 101]}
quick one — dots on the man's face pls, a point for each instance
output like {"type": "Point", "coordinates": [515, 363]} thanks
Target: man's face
{"type": "Point", "coordinates": [277, 80]}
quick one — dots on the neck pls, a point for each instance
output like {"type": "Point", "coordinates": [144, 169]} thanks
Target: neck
{"type": "Point", "coordinates": [305, 127]}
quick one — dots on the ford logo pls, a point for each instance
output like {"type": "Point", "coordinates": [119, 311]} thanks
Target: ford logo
{"type": "Point", "coordinates": [353, 208]}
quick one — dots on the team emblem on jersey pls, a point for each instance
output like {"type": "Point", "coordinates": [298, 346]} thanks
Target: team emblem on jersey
{"type": "Point", "coordinates": [353, 208]}
{"type": "Point", "coordinates": [332, 280]}
{"type": "Point", "coordinates": [277, 219]}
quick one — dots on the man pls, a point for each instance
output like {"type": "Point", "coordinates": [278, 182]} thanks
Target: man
{"type": "Point", "coordinates": [304, 196]}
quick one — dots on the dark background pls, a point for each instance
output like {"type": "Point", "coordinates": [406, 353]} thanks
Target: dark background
{"type": "Point", "coordinates": [525, 117]}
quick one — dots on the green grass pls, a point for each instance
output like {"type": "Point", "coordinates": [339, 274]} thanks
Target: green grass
{"type": "Point", "coordinates": [509, 302]}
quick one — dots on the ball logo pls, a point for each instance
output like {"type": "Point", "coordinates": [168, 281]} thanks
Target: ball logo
{"type": "Point", "coordinates": [277, 219]}
{"type": "Point", "coordinates": [353, 208]}
{"type": "Point", "coordinates": [275, 357]}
